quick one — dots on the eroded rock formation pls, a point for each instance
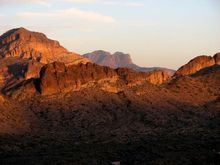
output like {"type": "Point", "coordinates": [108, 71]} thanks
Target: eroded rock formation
{"type": "Point", "coordinates": [26, 44]}
{"type": "Point", "coordinates": [197, 64]}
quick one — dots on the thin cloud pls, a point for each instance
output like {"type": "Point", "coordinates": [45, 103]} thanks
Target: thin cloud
{"type": "Point", "coordinates": [109, 2]}
{"type": "Point", "coordinates": [83, 1]}
{"type": "Point", "coordinates": [20, 2]}
{"type": "Point", "coordinates": [71, 13]}
{"type": "Point", "coordinates": [134, 4]}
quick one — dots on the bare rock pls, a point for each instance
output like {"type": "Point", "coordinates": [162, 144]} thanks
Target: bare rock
{"type": "Point", "coordinates": [26, 44]}
{"type": "Point", "coordinates": [217, 58]}
{"type": "Point", "coordinates": [33, 70]}
{"type": "Point", "coordinates": [158, 77]}
{"type": "Point", "coordinates": [57, 78]}
{"type": "Point", "coordinates": [195, 65]}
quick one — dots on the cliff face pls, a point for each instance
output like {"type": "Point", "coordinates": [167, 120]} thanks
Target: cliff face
{"type": "Point", "coordinates": [197, 64]}
{"type": "Point", "coordinates": [58, 78]}
{"type": "Point", "coordinates": [158, 77]}
{"type": "Point", "coordinates": [25, 44]}
{"type": "Point", "coordinates": [32, 70]}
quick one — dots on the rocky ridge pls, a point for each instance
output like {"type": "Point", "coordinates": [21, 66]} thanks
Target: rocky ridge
{"type": "Point", "coordinates": [58, 78]}
{"type": "Point", "coordinates": [197, 64]}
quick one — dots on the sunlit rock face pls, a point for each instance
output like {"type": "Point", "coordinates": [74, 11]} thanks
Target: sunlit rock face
{"type": "Point", "coordinates": [23, 53]}
{"type": "Point", "coordinates": [58, 78]}
{"type": "Point", "coordinates": [33, 70]}
{"type": "Point", "coordinates": [217, 58]}
{"type": "Point", "coordinates": [26, 44]}
{"type": "Point", "coordinates": [197, 64]}
{"type": "Point", "coordinates": [158, 77]}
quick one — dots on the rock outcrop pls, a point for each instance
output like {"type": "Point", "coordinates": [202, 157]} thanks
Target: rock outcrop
{"type": "Point", "coordinates": [197, 64]}
{"type": "Point", "coordinates": [217, 58]}
{"type": "Point", "coordinates": [32, 70]}
{"type": "Point", "coordinates": [26, 44]}
{"type": "Point", "coordinates": [57, 78]}
{"type": "Point", "coordinates": [158, 77]}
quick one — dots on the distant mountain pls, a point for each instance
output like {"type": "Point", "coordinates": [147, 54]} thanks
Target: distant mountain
{"type": "Point", "coordinates": [119, 60]}
{"type": "Point", "coordinates": [24, 44]}
{"type": "Point", "coordinates": [116, 60]}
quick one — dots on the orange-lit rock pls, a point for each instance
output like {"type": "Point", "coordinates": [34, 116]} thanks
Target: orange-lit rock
{"type": "Point", "coordinates": [217, 58]}
{"type": "Point", "coordinates": [26, 44]}
{"type": "Point", "coordinates": [197, 64]}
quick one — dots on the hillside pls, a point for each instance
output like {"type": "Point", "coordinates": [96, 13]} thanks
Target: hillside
{"type": "Point", "coordinates": [107, 120]}
{"type": "Point", "coordinates": [57, 113]}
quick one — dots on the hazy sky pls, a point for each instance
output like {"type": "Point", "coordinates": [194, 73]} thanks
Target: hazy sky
{"type": "Point", "coordinates": [164, 33]}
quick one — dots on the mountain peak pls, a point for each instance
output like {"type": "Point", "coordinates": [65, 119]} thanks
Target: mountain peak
{"type": "Point", "coordinates": [25, 44]}
{"type": "Point", "coordinates": [116, 60]}
{"type": "Point", "coordinates": [120, 59]}
{"type": "Point", "coordinates": [20, 33]}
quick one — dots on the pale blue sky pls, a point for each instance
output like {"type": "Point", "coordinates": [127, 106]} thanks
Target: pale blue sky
{"type": "Point", "coordinates": [165, 33]}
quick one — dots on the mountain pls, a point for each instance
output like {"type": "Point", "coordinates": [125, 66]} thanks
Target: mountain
{"type": "Point", "coordinates": [197, 64]}
{"type": "Point", "coordinates": [25, 44]}
{"type": "Point", "coordinates": [118, 60]}
{"type": "Point", "coordinates": [23, 53]}
{"type": "Point", "coordinates": [59, 113]}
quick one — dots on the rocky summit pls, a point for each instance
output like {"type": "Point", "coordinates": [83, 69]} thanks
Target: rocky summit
{"type": "Point", "coordinates": [118, 60]}
{"type": "Point", "coordinates": [26, 44]}
{"type": "Point", "coordinates": [77, 112]}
